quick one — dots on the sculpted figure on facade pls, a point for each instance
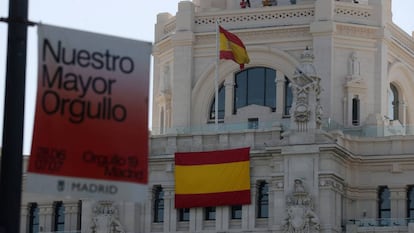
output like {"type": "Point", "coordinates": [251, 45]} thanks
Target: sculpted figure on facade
{"type": "Point", "coordinates": [354, 65]}
{"type": "Point", "coordinates": [164, 85]}
{"type": "Point", "coordinates": [300, 215]}
{"type": "Point", "coordinates": [106, 218]}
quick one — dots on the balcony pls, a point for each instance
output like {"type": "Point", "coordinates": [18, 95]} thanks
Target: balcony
{"type": "Point", "coordinates": [385, 225]}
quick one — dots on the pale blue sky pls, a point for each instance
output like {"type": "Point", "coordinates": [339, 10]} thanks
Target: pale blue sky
{"type": "Point", "coordinates": [133, 19]}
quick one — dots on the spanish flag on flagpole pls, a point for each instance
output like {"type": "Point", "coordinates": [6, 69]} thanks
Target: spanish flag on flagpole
{"type": "Point", "coordinates": [213, 178]}
{"type": "Point", "coordinates": [231, 47]}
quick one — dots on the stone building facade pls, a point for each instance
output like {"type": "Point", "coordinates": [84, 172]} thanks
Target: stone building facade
{"type": "Point", "coordinates": [326, 106]}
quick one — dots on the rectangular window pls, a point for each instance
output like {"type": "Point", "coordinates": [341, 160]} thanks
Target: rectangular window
{"type": "Point", "coordinates": [210, 213]}
{"type": "Point", "coordinates": [410, 203]}
{"type": "Point", "coordinates": [253, 123]}
{"type": "Point", "coordinates": [33, 218]}
{"type": "Point", "coordinates": [384, 206]}
{"type": "Point", "coordinates": [256, 86]}
{"type": "Point", "coordinates": [59, 216]}
{"type": "Point", "coordinates": [288, 97]}
{"type": "Point", "coordinates": [355, 110]}
{"type": "Point", "coordinates": [263, 200]}
{"type": "Point", "coordinates": [184, 214]}
{"type": "Point", "coordinates": [158, 204]}
{"type": "Point", "coordinates": [236, 212]}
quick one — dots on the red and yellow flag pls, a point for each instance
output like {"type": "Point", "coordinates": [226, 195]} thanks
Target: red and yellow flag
{"type": "Point", "coordinates": [232, 48]}
{"type": "Point", "coordinates": [212, 178]}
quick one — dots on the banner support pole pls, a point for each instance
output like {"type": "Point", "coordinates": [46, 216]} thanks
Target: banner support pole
{"type": "Point", "coordinates": [12, 149]}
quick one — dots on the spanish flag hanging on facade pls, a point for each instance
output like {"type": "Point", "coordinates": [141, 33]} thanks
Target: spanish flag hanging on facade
{"type": "Point", "coordinates": [212, 178]}
{"type": "Point", "coordinates": [232, 48]}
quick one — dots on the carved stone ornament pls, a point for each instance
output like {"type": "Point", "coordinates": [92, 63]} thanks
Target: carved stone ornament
{"type": "Point", "coordinates": [105, 218]}
{"type": "Point", "coordinates": [306, 89]}
{"type": "Point", "coordinates": [300, 217]}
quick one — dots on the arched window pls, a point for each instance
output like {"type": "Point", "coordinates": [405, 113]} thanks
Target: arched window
{"type": "Point", "coordinates": [255, 86]}
{"type": "Point", "coordinates": [384, 205]}
{"type": "Point", "coordinates": [221, 104]}
{"type": "Point", "coordinates": [263, 200]}
{"type": "Point", "coordinates": [33, 218]}
{"type": "Point", "coordinates": [393, 103]}
{"type": "Point", "coordinates": [355, 110]}
{"type": "Point", "coordinates": [158, 204]}
{"type": "Point", "coordinates": [59, 216]}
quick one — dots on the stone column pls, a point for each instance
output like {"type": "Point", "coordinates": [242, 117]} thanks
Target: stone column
{"type": "Point", "coordinates": [170, 213]}
{"type": "Point", "coordinates": [149, 210]}
{"type": "Point", "coordinates": [71, 216]}
{"type": "Point", "coordinates": [277, 203]}
{"type": "Point", "coordinates": [280, 94]}
{"type": "Point", "coordinates": [45, 217]}
{"type": "Point", "coordinates": [229, 104]}
{"type": "Point", "coordinates": [322, 30]}
{"type": "Point", "coordinates": [398, 200]}
{"type": "Point", "coordinates": [249, 213]}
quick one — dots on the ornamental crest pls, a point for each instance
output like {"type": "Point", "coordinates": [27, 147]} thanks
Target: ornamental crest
{"type": "Point", "coordinates": [300, 217]}
{"type": "Point", "coordinates": [106, 218]}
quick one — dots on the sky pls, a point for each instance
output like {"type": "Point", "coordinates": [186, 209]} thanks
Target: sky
{"type": "Point", "coordinates": [133, 19]}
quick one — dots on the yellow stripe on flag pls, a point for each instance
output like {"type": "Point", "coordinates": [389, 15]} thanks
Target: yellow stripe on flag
{"type": "Point", "coordinates": [214, 178]}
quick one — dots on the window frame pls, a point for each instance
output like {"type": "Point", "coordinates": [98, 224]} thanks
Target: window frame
{"type": "Point", "coordinates": [236, 212]}
{"type": "Point", "coordinates": [34, 220]}
{"type": "Point", "coordinates": [384, 205]}
{"type": "Point", "coordinates": [263, 199]}
{"type": "Point", "coordinates": [410, 202]}
{"type": "Point", "coordinates": [184, 214]}
{"type": "Point", "coordinates": [158, 204]}
{"type": "Point", "coordinates": [210, 213]}
{"type": "Point", "coordinates": [269, 91]}
{"type": "Point", "coordinates": [58, 216]}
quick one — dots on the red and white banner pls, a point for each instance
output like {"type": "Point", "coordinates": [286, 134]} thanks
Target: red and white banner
{"type": "Point", "coordinates": [90, 136]}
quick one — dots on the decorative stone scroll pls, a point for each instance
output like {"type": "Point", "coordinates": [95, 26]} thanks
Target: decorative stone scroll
{"type": "Point", "coordinates": [105, 218]}
{"type": "Point", "coordinates": [300, 215]}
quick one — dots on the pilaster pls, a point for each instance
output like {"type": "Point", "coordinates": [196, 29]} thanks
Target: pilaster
{"type": "Point", "coordinates": [182, 41]}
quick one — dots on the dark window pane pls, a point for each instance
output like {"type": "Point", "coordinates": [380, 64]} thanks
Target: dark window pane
{"type": "Point", "coordinates": [288, 97]}
{"type": "Point", "coordinates": [34, 218]}
{"type": "Point", "coordinates": [270, 99]}
{"type": "Point", "coordinates": [184, 215]}
{"type": "Point", "coordinates": [158, 204]}
{"type": "Point", "coordinates": [384, 204]}
{"type": "Point", "coordinates": [410, 202]}
{"type": "Point", "coordinates": [210, 213]}
{"type": "Point", "coordinates": [241, 90]}
{"type": "Point", "coordinates": [256, 86]}
{"type": "Point", "coordinates": [263, 200]}
{"type": "Point", "coordinates": [355, 111]}
{"type": "Point", "coordinates": [236, 212]}
{"type": "Point", "coordinates": [59, 217]}
{"type": "Point", "coordinates": [221, 104]}
{"type": "Point", "coordinates": [394, 103]}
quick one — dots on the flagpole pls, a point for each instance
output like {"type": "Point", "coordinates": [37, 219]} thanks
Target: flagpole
{"type": "Point", "coordinates": [217, 73]}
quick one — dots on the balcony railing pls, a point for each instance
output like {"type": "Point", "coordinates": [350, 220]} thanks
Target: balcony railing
{"type": "Point", "coordinates": [381, 222]}
{"type": "Point", "coordinates": [368, 131]}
